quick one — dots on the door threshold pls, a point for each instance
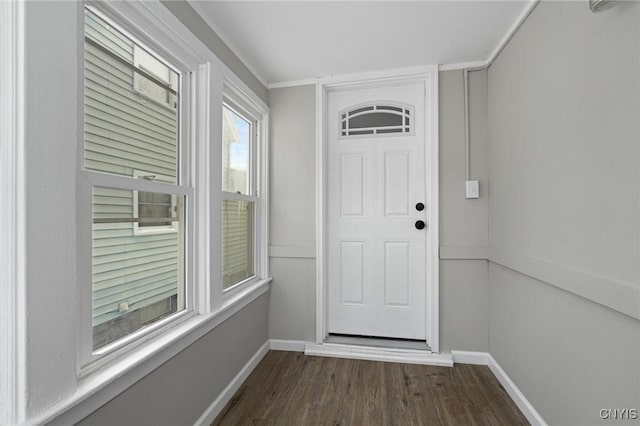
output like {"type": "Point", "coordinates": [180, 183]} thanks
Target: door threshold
{"type": "Point", "coordinates": [378, 342]}
{"type": "Point", "coordinates": [377, 353]}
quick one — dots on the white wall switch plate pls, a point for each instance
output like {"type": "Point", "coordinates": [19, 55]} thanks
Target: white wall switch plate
{"type": "Point", "coordinates": [472, 187]}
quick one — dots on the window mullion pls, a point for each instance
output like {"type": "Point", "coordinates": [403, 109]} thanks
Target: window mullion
{"type": "Point", "coordinates": [239, 197]}
{"type": "Point", "coordinates": [134, 184]}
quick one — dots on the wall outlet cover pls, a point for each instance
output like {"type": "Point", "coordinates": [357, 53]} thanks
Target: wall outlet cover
{"type": "Point", "coordinates": [472, 189]}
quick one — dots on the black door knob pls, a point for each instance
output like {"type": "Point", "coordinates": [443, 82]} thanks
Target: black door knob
{"type": "Point", "coordinates": [420, 224]}
{"type": "Point", "coordinates": [419, 207]}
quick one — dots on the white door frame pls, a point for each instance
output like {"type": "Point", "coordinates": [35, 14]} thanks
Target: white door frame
{"type": "Point", "coordinates": [428, 76]}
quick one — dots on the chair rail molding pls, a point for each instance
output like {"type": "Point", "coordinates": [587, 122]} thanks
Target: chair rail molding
{"type": "Point", "coordinates": [620, 296]}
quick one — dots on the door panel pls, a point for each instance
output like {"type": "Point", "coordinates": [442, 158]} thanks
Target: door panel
{"type": "Point", "coordinates": [397, 273]}
{"type": "Point", "coordinates": [352, 272]}
{"type": "Point", "coordinates": [353, 196]}
{"type": "Point", "coordinates": [397, 183]}
{"type": "Point", "coordinates": [376, 256]}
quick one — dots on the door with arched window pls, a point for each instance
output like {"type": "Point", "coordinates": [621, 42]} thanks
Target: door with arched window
{"type": "Point", "coordinates": [377, 211]}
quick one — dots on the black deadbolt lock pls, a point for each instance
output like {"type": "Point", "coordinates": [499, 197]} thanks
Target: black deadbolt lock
{"type": "Point", "coordinates": [420, 224]}
{"type": "Point", "coordinates": [419, 207]}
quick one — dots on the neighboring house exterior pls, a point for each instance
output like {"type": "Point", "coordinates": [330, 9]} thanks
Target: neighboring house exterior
{"type": "Point", "coordinates": [131, 128]}
{"type": "Point", "coordinates": [237, 255]}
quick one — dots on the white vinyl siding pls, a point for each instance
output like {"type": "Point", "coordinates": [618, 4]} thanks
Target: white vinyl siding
{"type": "Point", "coordinates": [124, 131]}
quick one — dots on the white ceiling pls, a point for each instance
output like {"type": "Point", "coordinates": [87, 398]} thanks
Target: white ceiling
{"type": "Point", "coordinates": [282, 41]}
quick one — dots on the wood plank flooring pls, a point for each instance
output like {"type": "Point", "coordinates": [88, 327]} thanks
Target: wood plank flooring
{"type": "Point", "coordinates": [289, 388]}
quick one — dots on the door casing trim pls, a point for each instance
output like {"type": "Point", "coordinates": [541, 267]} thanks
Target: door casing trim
{"type": "Point", "coordinates": [429, 77]}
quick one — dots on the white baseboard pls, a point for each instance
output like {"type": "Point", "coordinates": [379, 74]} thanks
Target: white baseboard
{"type": "Point", "coordinates": [407, 356]}
{"type": "Point", "coordinates": [287, 345]}
{"type": "Point", "coordinates": [468, 357]}
{"type": "Point", "coordinates": [225, 396]}
{"type": "Point", "coordinates": [518, 397]}
{"type": "Point", "coordinates": [484, 358]}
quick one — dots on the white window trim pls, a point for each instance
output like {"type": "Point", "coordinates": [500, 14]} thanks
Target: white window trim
{"type": "Point", "coordinates": [122, 369]}
{"type": "Point", "coordinates": [246, 107]}
{"type": "Point", "coordinates": [108, 381]}
{"type": "Point", "coordinates": [77, 398]}
{"type": "Point", "coordinates": [13, 381]}
{"type": "Point", "coordinates": [89, 359]}
{"type": "Point", "coordinates": [152, 230]}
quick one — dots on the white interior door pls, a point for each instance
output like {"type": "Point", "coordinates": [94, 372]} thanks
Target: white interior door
{"type": "Point", "coordinates": [376, 183]}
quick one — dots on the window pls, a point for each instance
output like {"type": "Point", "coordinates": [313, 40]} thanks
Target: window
{"type": "Point", "coordinates": [113, 304]}
{"type": "Point", "coordinates": [239, 194]}
{"type": "Point", "coordinates": [154, 79]}
{"type": "Point", "coordinates": [133, 148]}
{"type": "Point", "coordinates": [376, 119]}
{"type": "Point", "coordinates": [153, 212]}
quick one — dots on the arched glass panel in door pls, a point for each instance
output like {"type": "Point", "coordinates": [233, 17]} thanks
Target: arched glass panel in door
{"type": "Point", "coordinates": [376, 119]}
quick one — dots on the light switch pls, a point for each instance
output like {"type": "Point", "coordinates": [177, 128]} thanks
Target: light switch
{"type": "Point", "coordinates": [472, 187]}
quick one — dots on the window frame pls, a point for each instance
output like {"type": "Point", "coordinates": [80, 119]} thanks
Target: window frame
{"type": "Point", "coordinates": [207, 304]}
{"type": "Point", "coordinates": [60, 241]}
{"type": "Point", "coordinates": [191, 77]}
{"type": "Point", "coordinates": [239, 103]}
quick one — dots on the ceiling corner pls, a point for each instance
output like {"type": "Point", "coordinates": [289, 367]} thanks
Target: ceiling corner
{"type": "Point", "coordinates": [216, 29]}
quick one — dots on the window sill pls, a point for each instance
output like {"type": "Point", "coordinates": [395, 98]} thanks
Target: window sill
{"type": "Point", "coordinates": [104, 384]}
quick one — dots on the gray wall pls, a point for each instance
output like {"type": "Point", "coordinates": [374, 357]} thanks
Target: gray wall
{"type": "Point", "coordinates": [464, 285]}
{"type": "Point", "coordinates": [293, 213]}
{"type": "Point", "coordinates": [181, 390]}
{"type": "Point", "coordinates": [564, 180]}
{"type": "Point", "coordinates": [463, 222]}
{"type": "Point", "coordinates": [190, 18]}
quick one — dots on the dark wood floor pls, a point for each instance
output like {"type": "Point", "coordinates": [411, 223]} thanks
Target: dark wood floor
{"type": "Point", "coordinates": [289, 388]}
